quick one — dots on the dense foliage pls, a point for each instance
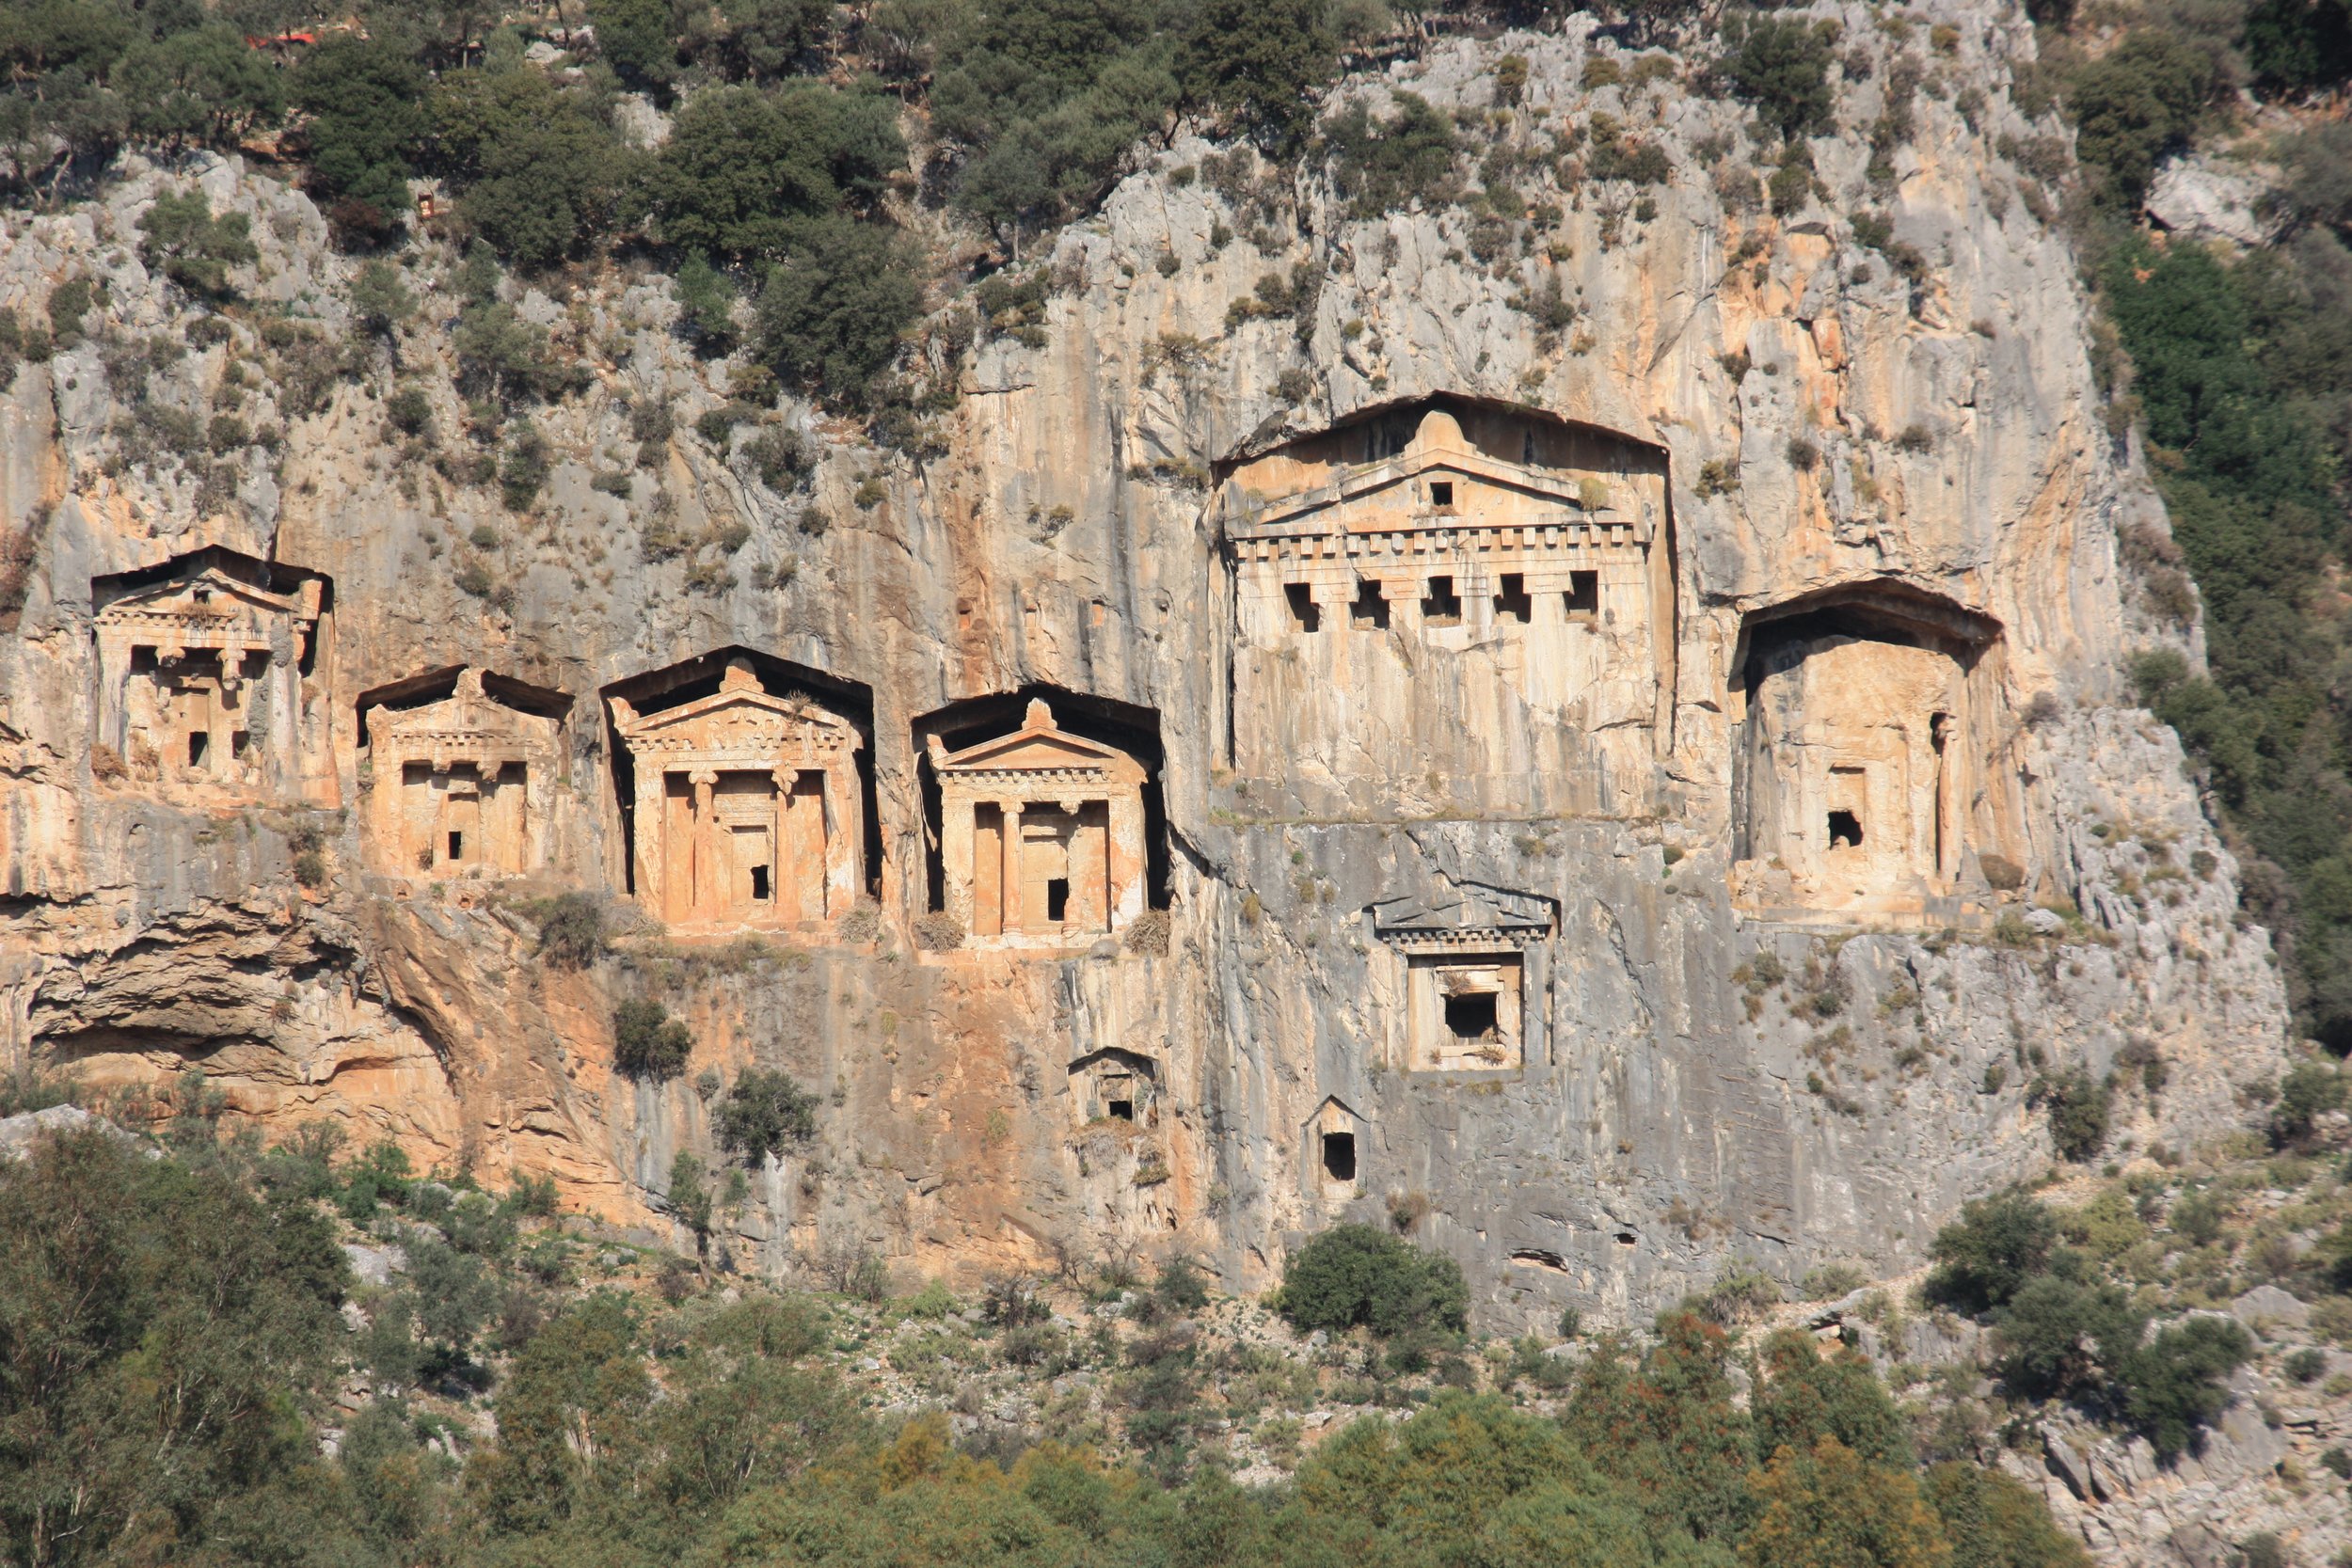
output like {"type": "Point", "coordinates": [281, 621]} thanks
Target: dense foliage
{"type": "Point", "coordinates": [168, 1341]}
{"type": "Point", "coordinates": [2239, 367]}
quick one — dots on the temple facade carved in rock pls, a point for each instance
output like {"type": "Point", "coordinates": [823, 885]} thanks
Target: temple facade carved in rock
{"type": "Point", "coordinates": [1042, 834]}
{"type": "Point", "coordinates": [210, 678]}
{"type": "Point", "coordinates": [747, 809]}
{"type": "Point", "coordinates": [1450, 607]}
{"type": "Point", "coordinates": [463, 785]}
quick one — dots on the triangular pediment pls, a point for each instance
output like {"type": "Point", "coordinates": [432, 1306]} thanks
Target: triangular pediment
{"type": "Point", "coordinates": [211, 592]}
{"type": "Point", "coordinates": [1039, 746]}
{"type": "Point", "coordinates": [460, 714]}
{"type": "Point", "coordinates": [735, 708]}
{"type": "Point", "coordinates": [1470, 907]}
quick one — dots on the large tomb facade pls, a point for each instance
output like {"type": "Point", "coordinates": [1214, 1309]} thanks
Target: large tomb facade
{"type": "Point", "coordinates": [210, 678]}
{"type": "Point", "coordinates": [1450, 607]}
{"type": "Point", "coordinates": [464, 784]}
{"type": "Point", "coordinates": [747, 806]}
{"type": "Point", "coordinates": [1866, 784]}
{"type": "Point", "coordinates": [1042, 834]}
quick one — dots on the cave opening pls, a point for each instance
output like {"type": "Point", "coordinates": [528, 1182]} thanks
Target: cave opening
{"type": "Point", "coordinates": [1338, 1156]}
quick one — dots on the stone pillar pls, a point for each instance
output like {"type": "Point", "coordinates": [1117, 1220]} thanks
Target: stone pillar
{"type": "Point", "coordinates": [845, 836]}
{"type": "Point", "coordinates": [1127, 864]}
{"type": "Point", "coordinates": [1947, 797]}
{"type": "Point", "coordinates": [648, 828]}
{"type": "Point", "coordinates": [1013, 893]}
{"type": "Point", "coordinates": [707, 901]}
{"type": "Point", "coordinates": [955, 853]}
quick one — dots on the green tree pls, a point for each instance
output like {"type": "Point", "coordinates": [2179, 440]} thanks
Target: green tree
{"type": "Point", "coordinates": [1781, 66]}
{"type": "Point", "coordinates": [749, 173]}
{"type": "Point", "coordinates": [1381, 165]}
{"type": "Point", "coordinates": [380, 299]}
{"type": "Point", "coordinates": [832, 315]}
{"type": "Point", "coordinates": [203, 84]}
{"type": "Point", "coordinates": [538, 168]}
{"type": "Point", "coordinates": [648, 1043]}
{"type": "Point", "coordinates": [2132, 104]}
{"type": "Point", "coordinates": [1994, 1521]}
{"type": "Point", "coordinates": [2174, 1383]}
{"type": "Point", "coordinates": [1263, 63]}
{"type": "Point", "coordinates": [636, 40]}
{"type": "Point", "coordinates": [763, 1112]}
{"type": "Point", "coordinates": [183, 239]}
{"type": "Point", "coordinates": [1805, 1396]}
{"type": "Point", "coordinates": [1354, 1274]}
{"type": "Point", "coordinates": [369, 115]}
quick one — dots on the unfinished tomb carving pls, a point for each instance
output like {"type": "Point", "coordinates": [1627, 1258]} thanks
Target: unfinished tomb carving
{"type": "Point", "coordinates": [1475, 972]}
{"type": "Point", "coordinates": [1865, 781]}
{"type": "Point", "coordinates": [464, 784]}
{"type": "Point", "coordinates": [1042, 834]}
{"type": "Point", "coordinates": [1470, 603]}
{"type": "Point", "coordinates": [206, 671]}
{"type": "Point", "coordinates": [747, 806]}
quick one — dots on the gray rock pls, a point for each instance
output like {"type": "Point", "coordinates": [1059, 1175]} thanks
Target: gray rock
{"type": "Point", "coordinates": [19, 1133]}
{"type": "Point", "coordinates": [2195, 194]}
{"type": "Point", "coordinates": [2269, 1305]}
{"type": "Point", "coordinates": [375, 1265]}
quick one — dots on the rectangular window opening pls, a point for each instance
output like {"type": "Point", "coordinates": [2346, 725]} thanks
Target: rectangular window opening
{"type": "Point", "coordinates": [1442, 494]}
{"type": "Point", "coordinates": [1123, 1110]}
{"type": "Point", "coordinates": [759, 884]}
{"type": "Point", "coordinates": [1583, 594]}
{"type": "Point", "coordinates": [1057, 899]}
{"type": "Point", "coordinates": [1442, 607]}
{"type": "Point", "coordinates": [238, 741]}
{"type": "Point", "coordinates": [1512, 600]}
{"type": "Point", "coordinates": [1338, 1156]}
{"type": "Point", "coordinates": [1370, 612]}
{"type": "Point", "coordinates": [1304, 610]}
{"type": "Point", "coordinates": [199, 743]}
{"type": "Point", "coordinates": [1471, 1016]}
{"type": "Point", "coordinates": [457, 844]}
{"type": "Point", "coordinates": [1845, 831]}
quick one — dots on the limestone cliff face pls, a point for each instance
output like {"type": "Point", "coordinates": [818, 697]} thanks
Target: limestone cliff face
{"type": "Point", "coordinates": [1687, 1020]}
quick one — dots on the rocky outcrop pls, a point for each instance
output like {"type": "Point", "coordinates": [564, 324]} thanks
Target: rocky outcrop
{"type": "Point", "coordinates": [1798, 438]}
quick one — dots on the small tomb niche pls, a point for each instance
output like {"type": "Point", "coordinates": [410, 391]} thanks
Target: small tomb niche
{"type": "Point", "coordinates": [1114, 1086]}
{"type": "Point", "coordinates": [1334, 1145]}
{"type": "Point", "coordinates": [205, 670]}
{"type": "Point", "coordinates": [461, 775]}
{"type": "Point", "coordinates": [1043, 836]}
{"type": "Point", "coordinates": [746, 804]}
{"type": "Point", "coordinates": [1864, 747]}
{"type": "Point", "coordinates": [1484, 577]}
{"type": "Point", "coordinates": [1471, 957]}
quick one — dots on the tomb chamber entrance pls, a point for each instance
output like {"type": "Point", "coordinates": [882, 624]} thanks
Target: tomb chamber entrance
{"type": "Point", "coordinates": [1866, 777]}
{"type": "Point", "coordinates": [210, 681]}
{"type": "Point", "coordinates": [746, 802]}
{"type": "Point", "coordinates": [461, 776]}
{"type": "Point", "coordinates": [1474, 963]}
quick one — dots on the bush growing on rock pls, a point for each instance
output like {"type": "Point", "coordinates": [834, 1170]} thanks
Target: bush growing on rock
{"type": "Point", "coordinates": [648, 1043]}
{"type": "Point", "coordinates": [1354, 1274]}
{"type": "Point", "coordinates": [762, 1112]}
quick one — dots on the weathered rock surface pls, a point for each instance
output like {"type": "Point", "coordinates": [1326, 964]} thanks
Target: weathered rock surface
{"type": "Point", "coordinates": [1717, 1081]}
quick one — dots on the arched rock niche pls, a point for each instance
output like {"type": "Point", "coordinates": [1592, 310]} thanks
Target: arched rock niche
{"type": "Point", "coordinates": [1868, 778]}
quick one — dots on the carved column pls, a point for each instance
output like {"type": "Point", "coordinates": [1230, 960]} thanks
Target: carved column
{"type": "Point", "coordinates": [649, 831]}
{"type": "Point", "coordinates": [1126, 857]}
{"type": "Point", "coordinates": [845, 834]}
{"type": "Point", "coordinates": [707, 902]}
{"type": "Point", "coordinates": [956, 833]}
{"type": "Point", "coordinates": [1014, 894]}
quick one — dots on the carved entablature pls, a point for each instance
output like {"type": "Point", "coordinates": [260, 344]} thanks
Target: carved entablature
{"type": "Point", "coordinates": [462, 786]}
{"type": "Point", "coordinates": [1474, 963]}
{"type": "Point", "coordinates": [206, 666]}
{"type": "Point", "coordinates": [748, 806]}
{"type": "Point", "coordinates": [1456, 593]}
{"type": "Point", "coordinates": [1041, 835]}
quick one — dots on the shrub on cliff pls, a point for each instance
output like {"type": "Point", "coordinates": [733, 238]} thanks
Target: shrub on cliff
{"type": "Point", "coordinates": [1986, 1256]}
{"type": "Point", "coordinates": [1781, 67]}
{"type": "Point", "coordinates": [1354, 1273]}
{"type": "Point", "coordinates": [762, 1112]}
{"type": "Point", "coordinates": [571, 929]}
{"type": "Point", "coordinates": [830, 318]}
{"type": "Point", "coordinates": [648, 1043]}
